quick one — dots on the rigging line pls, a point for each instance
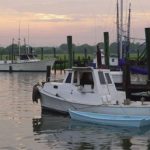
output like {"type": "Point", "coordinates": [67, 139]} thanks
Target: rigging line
{"type": "Point", "coordinates": [113, 26]}
{"type": "Point", "coordinates": [126, 15]}
{"type": "Point", "coordinates": [133, 38]}
{"type": "Point", "coordinates": [19, 38]}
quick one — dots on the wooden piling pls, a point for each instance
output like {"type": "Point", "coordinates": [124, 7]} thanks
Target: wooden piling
{"type": "Point", "coordinates": [1, 55]}
{"type": "Point", "coordinates": [48, 73]}
{"type": "Point", "coordinates": [70, 54]}
{"type": "Point", "coordinates": [106, 48]}
{"type": "Point", "coordinates": [99, 59]}
{"type": "Point", "coordinates": [60, 65]}
{"type": "Point", "coordinates": [55, 68]}
{"type": "Point", "coordinates": [126, 79]}
{"type": "Point", "coordinates": [54, 52]}
{"type": "Point", "coordinates": [85, 53]}
{"type": "Point", "coordinates": [73, 57]}
{"type": "Point", "coordinates": [64, 62]}
{"type": "Point", "coordinates": [147, 35]}
{"type": "Point", "coordinates": [42, 53]}
{"type": "Point", "coordinates": [10, 69]}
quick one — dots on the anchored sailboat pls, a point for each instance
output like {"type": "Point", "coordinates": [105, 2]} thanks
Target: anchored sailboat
{"type": "Point", "coordinates": [26, 62]}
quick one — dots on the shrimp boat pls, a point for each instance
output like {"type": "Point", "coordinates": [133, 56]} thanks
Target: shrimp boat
{"type": "Point", "coordinates": [90, 90]}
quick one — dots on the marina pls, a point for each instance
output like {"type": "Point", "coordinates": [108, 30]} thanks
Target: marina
{"type": "Point", "coordinates": [76, 75]}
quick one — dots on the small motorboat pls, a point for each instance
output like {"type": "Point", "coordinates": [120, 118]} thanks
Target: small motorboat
{"type": "Point", "coordinates": [108, 119]}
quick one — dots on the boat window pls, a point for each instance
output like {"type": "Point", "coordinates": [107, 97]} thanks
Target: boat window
{"type": "Point", "coordinates": [108, 78]}
{"type": "Point", "coordinates": [68, 80]}
{"type": "Point", "coordinates": [27, 56]}
{"type": "Point", "coordinates": [86, 78]}
{"type": "Point", "coordinates": [101, 77]}
{"type": "Point", "coordinates": [24, 57]}
{"type": "Point", "coordinates": [75, 77]}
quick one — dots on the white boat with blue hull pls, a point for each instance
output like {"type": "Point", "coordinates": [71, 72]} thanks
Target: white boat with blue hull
{"type": "Point", "coordinates": [90, 90]}
{"type": "Point", "coordinates": [108, 119]}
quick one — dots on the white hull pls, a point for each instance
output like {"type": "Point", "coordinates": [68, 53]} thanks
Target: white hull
{"type": "Point", "coordinates": [26, 66]}
{"type": "Point", "coordinates": [58, 104]}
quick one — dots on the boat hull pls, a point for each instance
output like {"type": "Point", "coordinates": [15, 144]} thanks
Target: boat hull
{"type": "Point", "coordinates": [54, 102]}
{"type": "Point", "coordinates": [58, 104]}
{"type": "Point", "coordinates": [113, 120]}
{"type": "Point", "coordinates": [38, 66]}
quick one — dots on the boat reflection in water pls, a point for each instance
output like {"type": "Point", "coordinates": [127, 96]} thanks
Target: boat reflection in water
{"type": "Point", "coordinates": [60, 132]}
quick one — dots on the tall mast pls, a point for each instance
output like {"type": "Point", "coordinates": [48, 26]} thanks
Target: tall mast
{"type": "Point", "coordinates": [12, 51]}
{"type": "Point", "coordinates": [118, 38]}
{"type": "Point", "coordinates": [28, 39]}
{"type": "Point", "coordinates": [121, 29]}
{"type": "Point", "coordinates": [19, 39]}
{"type": "Point", "coordinates": [128, 32]}
{"type": "Point", "coordinates": [25, 46]}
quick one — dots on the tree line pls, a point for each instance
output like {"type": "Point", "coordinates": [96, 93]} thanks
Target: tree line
{"type": "Point", "coordinates": [63, 49]}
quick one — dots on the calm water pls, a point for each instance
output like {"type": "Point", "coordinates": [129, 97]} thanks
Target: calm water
{"type": "Point", "coordinates": [24, 127]}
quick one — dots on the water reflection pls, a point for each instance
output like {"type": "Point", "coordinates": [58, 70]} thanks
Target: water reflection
{"type": "Point", "coordinates": [60, 132]}
{"type": "Point", "coordinates": [18, 129]}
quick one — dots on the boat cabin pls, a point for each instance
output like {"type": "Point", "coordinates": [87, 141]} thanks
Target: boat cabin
{"type": "Point", "coordinates": [86, 85]}
{"type": "Point", "coordinates": [27, 58]}
{"type": "Point", "coordinates": [81, 76]}
{"type": "Point", "coordinates": [89, 80]}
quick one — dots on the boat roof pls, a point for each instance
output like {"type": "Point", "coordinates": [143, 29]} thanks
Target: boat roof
{"type": "Point", "coordinates": [85, 69]}
{"type": "Point", "coordinates": [79, 68]}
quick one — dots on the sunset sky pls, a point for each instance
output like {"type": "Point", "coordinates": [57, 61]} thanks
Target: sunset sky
{"type": "Point", "coordinates": [50, 21]}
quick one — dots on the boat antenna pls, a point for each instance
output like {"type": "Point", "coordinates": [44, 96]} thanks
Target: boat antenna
{"type": "Point", "coordinates": [118, 39]}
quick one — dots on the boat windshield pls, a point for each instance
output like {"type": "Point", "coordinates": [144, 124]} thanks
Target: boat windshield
{"type": "Point", "coordinates": [101, 77]}
{"type": "Point", "coordinates": [68, 79]}
{"type": "Point", "coordinates": [108, 78]}
{"type": "Point", "coordinates": [86, 78]}
{"type": "Point", "coordinates": [75, 78]}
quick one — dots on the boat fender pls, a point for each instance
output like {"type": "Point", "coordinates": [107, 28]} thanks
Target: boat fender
{"type": "Point", "coordinates": [43, 83]}
{"type": "Point", "coordinates": [127, 102]}
{"type": "Point", "coordinates": [36, 94]}
{"type": "Point", "coordinates": [117, 102]}
{"type": "Point", "coordinates": [142, 100]}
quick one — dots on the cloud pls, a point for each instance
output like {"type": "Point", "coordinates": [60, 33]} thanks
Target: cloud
{"type": "Point", "coordinates": [11, 15]}
{"type": "Point", "coordinates": [81, 18]}
{"type": "Point", "coordinates": [41, 17]}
